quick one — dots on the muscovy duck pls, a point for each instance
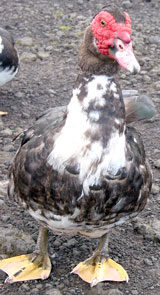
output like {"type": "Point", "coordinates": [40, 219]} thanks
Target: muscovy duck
{"type": "Point", "coordinates": [84, 172]}
{"type": "Point", "coordinates": [9, 61]}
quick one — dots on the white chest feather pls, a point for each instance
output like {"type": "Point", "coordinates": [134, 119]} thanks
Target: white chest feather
{"type": "Point", "coordinates": [73, 142]}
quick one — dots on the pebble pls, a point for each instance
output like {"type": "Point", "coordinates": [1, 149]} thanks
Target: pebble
{"type": "Point", "coordinates": [135, 292]}
{"type": "Point", "coordinates": [20, 94]}
{"type": "Point", "coordinates": [5, 157]}
{"type": "Point", "coordinates": [114, 292]}
{"type": "Point", "coordinates": [75, 252]}
{"type": "Point", "coordinates": [154, 40]}
{"type": "Point", "coordinates": [71, 242]}
{"type": "Point", "coordinates": [1, 123]}
{"type": "Point", "coordinates": [28, 56]}
{"type": "Point", "coordinates": [155, 189]}
{"type": "Point", "coordinates": [26, 41]}
{"type": "Point", "coordinates": [57, 243]}
{"type": "Point", "coordinates": [39, 286]}
{"type": "Point", "coordinates": [43, 54]}
{"type": "Point", "coordinates": [5, 218]}
{"type": "Point", "coordinates": [3, 188]}
{"type": "Point", "coordinates": [34, 291]}
{"type": "Point", "coordinates": [14, 241]}
{"type": "Point", "coordinates": [53, 291]}
{"type": "Point", "coordinates": [8, 148]}
{"type": "Point", "coordinates": [147, 262]}
{"type": "Point", "coordinates": [157, 163]}
{"type": "Point", "coordinates": [156, 85]}
{"type": "Point", "coordinates": [25, 115]}
{"type": "Point", "coordinates": [25, 287]}
{"type": "Point", "coordinates": [127, 4]}
{"type": "Point", "coordinates": [6, 132]}
{"type": "Point", "coordinates": [150, 229]}
{"type": "Point", "coordinates": [80, 2]}
{"type": "Point", "coordinates": [2, 203]}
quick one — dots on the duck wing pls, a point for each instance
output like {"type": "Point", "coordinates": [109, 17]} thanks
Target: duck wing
{"type": "Point", "coordinates": [138, 107]}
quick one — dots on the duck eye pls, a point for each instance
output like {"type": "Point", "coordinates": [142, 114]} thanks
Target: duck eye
{"type": "Point", "coordinates": [103, 23]}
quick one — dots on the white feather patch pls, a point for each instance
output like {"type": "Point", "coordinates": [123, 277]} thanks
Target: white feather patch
{"type": "Point", "coordinates": [1, 45]}
{"type": "Point", "coordinates": [7, 75]}
{"type": "Point", "coordinates": [94, 159]}
{"type": "Point", "coordinates": [95, 93]}
{"type": "Point", "coordinates": [71, 139]}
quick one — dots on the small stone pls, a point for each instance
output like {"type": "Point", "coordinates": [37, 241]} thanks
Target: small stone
{"type": "Point", "coordinates": [57, 243]}
{"type": "Point", "coordinates": [53, 291]}
{"type": "Point", "coordinates": [147, 78]}
{"type": "Point", "coordinates": [25, 287]}
{"type": "Point", "coordinates": [156, 229]}
{"type": "Point", "coordinates": [155, 189]}
{"type": "Point", "coordinates": [35, 291]}
{"type": "Point", "coordinates": [26, 41]}
{"type": "Point", "coordinates": [75, 252]}
{"type": "Point", "coordinates": [149, 229]}
{"type": "Point", "coordinates": [20, 94]}
{"type": "Point", "coordinates": [1, 123]}
{"type": "Point", "coordinates": [70, 243]}
{"type": "Point", "coordinates": [134, 292]}
{"type": "Point", "coordinates": [127, 4]}
{"type": "Point", "coordinates": [5, 218]}
{"type": "Point", "coordinates": [8, 148]}
{"type": "Point", "coordinates": [2, 203]}
{"type": "Point", "coordinates": [114, 292]}
{"type": "Point", "coordinates": [6, 132]}
{"type": "Point", "coordinates": [18, 131]}
{"type": "Point", "coordinates": [5, 157]}
{"type": "Point", "coordinates": [28, 56]}
{"type": "Point", "coordinates": [80, 2]}
{"type": "Point", "coordinates": [123, 76]}
{"type": "Point", "coordinates": [154, 40]}
{"type": "Point", "coordinates": [43, 54]}
{"type": "Point", "coordinates": [14, 241]}
{"type": "Point", "coordinates": [157, 163]}
{"type": "Point", "coordinates": [25, 116]}
{"type": "Point", "coordinates": [147, 262]}
{"type": "Point", "coordinates": [39, 286]}
{"type": "Point", "coordinates": [49, 48]}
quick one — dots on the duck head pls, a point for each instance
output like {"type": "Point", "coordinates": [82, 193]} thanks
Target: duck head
{"type": "Point", "coordinates": [112, 36]}
{"type": "Point", "coordinates": [109, 38]}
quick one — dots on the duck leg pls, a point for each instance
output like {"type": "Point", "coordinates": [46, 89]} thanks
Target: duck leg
{"type": "Point", "coordinates": [100, 267]}
{"type": "Point", "coordinates": [32, 266]}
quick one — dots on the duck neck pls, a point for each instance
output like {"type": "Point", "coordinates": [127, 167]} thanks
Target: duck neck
{"type": "Point", "coordinates": [99, 100]}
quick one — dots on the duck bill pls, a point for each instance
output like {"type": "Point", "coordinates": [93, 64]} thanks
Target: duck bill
{"type": "Point", "coordinates": [123, 53]}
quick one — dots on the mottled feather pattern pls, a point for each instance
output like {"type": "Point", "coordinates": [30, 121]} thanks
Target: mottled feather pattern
{"type": "Point", "coordinates": [81, 192]}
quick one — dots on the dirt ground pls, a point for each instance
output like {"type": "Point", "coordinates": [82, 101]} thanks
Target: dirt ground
{"type": "Point", "coordinates": [47, 35]}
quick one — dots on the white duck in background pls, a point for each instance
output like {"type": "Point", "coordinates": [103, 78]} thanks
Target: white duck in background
{"type": "Point", "coordinates": [9, 61]}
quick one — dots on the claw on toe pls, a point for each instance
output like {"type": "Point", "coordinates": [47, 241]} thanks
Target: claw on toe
{"type": "Point", "coordinates": [98, 270]}
{"type": "Point", "coordinates": [26, 267]}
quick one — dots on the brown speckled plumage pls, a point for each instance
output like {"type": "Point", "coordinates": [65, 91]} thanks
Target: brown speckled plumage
{"type": "Point", "coordinates": [63, 187]}
{"type": "Point", "coordinates": [40, 187]}
{"type": "Point", "coordinates": [83, 170]}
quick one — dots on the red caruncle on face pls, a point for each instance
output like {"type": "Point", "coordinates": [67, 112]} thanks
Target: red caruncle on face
{"type": "Point", "coordinates": [105, 30]}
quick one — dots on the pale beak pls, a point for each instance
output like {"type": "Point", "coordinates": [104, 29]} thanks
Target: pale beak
{"type": "Point", "coordinates": [123, 53]}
